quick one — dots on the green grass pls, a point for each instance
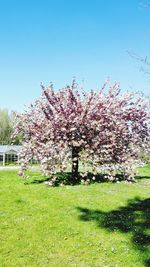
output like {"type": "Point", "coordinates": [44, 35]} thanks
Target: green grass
{"type": "Point", "coordinates": [102, 224]}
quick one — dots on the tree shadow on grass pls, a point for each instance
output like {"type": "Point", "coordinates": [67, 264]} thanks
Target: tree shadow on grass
{"type": "Point", "coordinates": [39, 180]}
{"type": "Point", "coordinates": [134, 219]}
{"type": "Point", "coordinates": [139, 177]}
{"type": "Point", "coordinates": [66, 178]}
{"type": "Point", "coordinates": [60, 177]}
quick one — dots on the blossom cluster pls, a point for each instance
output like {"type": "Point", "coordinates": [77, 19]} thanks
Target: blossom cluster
{"type": "Point", "coordinates": [107, 128]}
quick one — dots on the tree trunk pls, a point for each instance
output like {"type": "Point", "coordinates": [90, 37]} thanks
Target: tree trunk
{"type": "Point", "coordinates": [75, 163]}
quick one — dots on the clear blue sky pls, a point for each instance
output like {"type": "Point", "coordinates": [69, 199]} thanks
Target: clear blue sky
{"type": "Point", "coordinates": [54, 40]}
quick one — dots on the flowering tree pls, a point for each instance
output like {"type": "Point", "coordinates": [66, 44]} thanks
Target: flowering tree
{"type": "Point", "coordinates": [105, 131]}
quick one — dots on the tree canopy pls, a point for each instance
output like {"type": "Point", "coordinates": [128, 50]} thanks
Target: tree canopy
{"type": "Point", "coordinates": [7, 122]}
{"type": "Point", "coordinates": [105, 130]}
{"type": "Point", "coordinates": [6, 126]}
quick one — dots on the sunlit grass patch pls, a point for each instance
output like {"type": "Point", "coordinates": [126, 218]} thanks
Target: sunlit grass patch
{"type": "Point", "coordinates": [102, 224]}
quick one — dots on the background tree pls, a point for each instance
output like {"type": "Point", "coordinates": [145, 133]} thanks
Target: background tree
{"type": "Point", "coordinates": [7, 121]}
{"type": "Point", "coordinates": [5, 126]}
{"type": "Point", "coordinates": [104, 130]}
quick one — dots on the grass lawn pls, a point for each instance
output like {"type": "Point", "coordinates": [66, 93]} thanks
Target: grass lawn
{"type": "Point", "coordinates": [103, 224]}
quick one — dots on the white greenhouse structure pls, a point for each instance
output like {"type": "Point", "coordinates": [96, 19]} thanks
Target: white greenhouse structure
{"type": "Point", "coordinates": [9, 154]}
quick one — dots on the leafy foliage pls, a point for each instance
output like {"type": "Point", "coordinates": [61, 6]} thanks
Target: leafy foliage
{"type": "Point", "coordinates": [7, 121]}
